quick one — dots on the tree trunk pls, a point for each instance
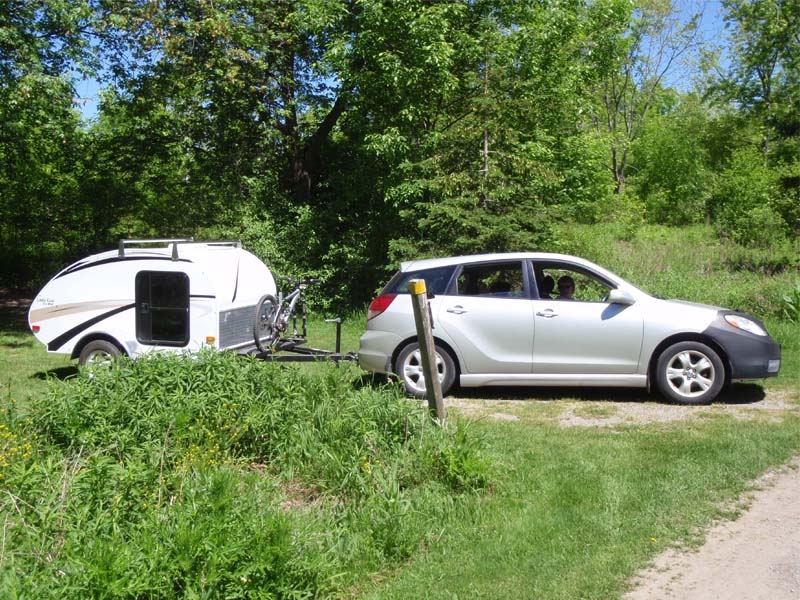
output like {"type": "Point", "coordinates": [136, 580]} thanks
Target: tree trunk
{"type": "Point", "coordinates": [305, 162]}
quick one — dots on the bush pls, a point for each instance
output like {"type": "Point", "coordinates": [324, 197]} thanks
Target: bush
{"type": "Point", "coordinates": [745, 202]}
{"type": "Point", "coordinates": [171, 477]}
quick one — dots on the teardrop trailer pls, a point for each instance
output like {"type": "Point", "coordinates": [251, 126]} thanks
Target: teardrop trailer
{"type": "Point", "coordinates": [175, 295]}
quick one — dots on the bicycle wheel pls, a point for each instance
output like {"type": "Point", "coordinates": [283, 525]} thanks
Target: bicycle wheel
{"type": "Point", "coordinates": [265, 333]}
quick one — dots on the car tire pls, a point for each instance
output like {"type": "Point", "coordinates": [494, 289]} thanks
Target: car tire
{"type": "Point", "coordinates": [408, 368]}
{"type": "Point", "coordinates": [98, 353]}
{"type": "Point", "coordinates": [690, 373]}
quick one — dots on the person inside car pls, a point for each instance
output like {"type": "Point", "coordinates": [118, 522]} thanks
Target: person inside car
{"type": "Point", "coordinates": [546, 287]}
{"type": "Point", "coordinates": [566, 287]}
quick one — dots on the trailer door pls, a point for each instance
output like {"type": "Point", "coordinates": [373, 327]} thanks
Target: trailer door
{"type": "Point", "coordinates": [162, 308]}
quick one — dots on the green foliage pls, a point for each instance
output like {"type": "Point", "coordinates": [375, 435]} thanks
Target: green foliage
{"type": "Point", "coordinates": [744, 202]}
{"type": "Point", "coordinates": [764, 81]}
{"type": "Point", "coordinates": [507, 157]}
{"type": "Point", "coordinates": [336, 138]}
{"type": "Point", "coordinates": [170, 477]}
{"type": "Point", "coordinates": [671, 172]}
{"type": "Point", "coordinates": [40, 214]}
{"type": "Point", "coordinates": [791, 304]}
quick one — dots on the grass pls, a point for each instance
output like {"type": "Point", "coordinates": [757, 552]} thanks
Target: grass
{"type": "Point", "coordinates": [24, 364]}
{"type": "Point", "coordinates": [578, 510]}
{"type": "Point", "coordinates": [227, 477]}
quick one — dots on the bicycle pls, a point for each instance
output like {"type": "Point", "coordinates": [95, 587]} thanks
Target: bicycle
{"type": "Point", "coordinates": [272, 316]}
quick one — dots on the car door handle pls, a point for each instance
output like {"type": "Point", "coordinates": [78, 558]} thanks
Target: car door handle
{"type": "Point", "coordinates": [457, 309]}
{"type": "Point", "coordinates": [547, 314]}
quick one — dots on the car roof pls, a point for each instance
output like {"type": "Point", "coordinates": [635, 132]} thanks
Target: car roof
{"type": "Point", "coordinates": [432, 263]}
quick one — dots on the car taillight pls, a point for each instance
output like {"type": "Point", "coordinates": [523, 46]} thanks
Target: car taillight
{"type": "Point", "coordinates": [380, 304]}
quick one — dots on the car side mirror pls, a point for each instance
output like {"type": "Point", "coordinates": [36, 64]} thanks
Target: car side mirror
{"type": "Point", "coordinates": [620, 297]}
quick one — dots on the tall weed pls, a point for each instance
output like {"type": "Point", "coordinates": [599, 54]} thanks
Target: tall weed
{"type": "Point", "coordinates": [791, 304]}
{"type": "Point", "coordinates": [222, 476]}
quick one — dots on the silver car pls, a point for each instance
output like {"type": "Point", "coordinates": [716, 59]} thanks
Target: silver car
{"type": "Point", "coordinates": [512, 320]}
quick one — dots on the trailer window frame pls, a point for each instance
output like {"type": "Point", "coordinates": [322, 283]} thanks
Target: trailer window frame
{"type": "Point", "coordinates": [162, 308]}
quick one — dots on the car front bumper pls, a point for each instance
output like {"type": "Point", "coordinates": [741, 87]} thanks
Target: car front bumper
{"type": "Point", "coordinates": [750, 356]}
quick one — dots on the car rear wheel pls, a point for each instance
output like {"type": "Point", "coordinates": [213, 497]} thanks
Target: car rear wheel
{"type": "Point", "coordinates": [408, 368]}
{"type": "Point", "coordinates": [690, 373]}
{"type": "Point", "coordinates": [99, 353]}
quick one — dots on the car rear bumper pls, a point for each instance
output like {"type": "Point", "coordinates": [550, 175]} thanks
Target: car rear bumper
{"type": "Point", "coordinates": [376, 349]}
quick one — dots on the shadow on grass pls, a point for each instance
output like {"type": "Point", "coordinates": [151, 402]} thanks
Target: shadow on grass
{"type": "Point", "coordinates": [736, 394]}
{"type": "Point", "coordinates": [557, 393]}
{"type": "Point", "coordinates": [739, 393]}
{"type": "Point", "coordinates": [61, 373]}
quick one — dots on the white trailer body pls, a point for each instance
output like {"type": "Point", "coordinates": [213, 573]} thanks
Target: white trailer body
{"type": "Point", "coordinates": [175, 295]}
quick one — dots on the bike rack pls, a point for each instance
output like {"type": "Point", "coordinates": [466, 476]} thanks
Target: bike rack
{"type": "Point", "coordinates": [296, 352]}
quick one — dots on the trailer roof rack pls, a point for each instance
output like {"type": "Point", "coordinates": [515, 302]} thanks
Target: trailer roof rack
{"type": "Point", "coordinates": [123, 243]}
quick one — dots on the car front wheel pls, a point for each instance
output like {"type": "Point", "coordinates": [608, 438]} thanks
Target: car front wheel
{"type": "Point", "coordinates": [408, 367]}
{"type": "Point", "coordinates": [690, 373]}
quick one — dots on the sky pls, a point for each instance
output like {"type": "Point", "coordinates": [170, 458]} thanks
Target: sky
{"type": "Point", "coordinates": [87, 98]}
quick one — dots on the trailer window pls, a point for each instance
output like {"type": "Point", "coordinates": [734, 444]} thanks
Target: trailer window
{"type": "Point", "coordinates": [162, 308]}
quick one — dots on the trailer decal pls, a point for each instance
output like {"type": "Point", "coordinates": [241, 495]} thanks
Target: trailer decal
{"type": "Point", "coordinates": [56, 343]}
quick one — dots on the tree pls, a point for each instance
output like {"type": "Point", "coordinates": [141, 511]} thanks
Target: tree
{"type": "Point", "coordinates": [672, 175]}
{"type": "Point", "coordinates": [656, 40]}
{"type": "Point", "coordinates": [764, 82]}
{"type": "Point", "coordinates": [503, 152]}
{"type": "Point", "coordinates": [41, 43]}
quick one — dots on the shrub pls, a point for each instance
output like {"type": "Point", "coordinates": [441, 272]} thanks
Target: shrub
{"type": "Point", "coordinates": [222, 476]}
{"type": "Point", "coordinates": [745, 202]}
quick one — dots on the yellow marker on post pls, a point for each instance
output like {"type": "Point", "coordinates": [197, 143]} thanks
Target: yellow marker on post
{"type": "Point", "coordinates": [417, 286]}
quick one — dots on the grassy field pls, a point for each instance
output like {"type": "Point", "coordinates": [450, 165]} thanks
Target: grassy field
{"type": "Point", "coordinates": [230, 478]}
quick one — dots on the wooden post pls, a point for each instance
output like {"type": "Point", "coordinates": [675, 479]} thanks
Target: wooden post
{"type": "Point", "coordinates": [427, 348]}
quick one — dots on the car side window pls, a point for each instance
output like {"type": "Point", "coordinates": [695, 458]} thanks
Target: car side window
{"type": "Point", "coordinates": [573, 284]}
{"type": "Point", "coordinates": [494, 280]}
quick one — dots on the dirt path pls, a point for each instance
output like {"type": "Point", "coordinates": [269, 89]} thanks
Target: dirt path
{"type": "Point", "coordinates": [756, 557]}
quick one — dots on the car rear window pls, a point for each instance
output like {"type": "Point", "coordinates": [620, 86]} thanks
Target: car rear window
{"type": "Point", "coordinates": [436, 280]}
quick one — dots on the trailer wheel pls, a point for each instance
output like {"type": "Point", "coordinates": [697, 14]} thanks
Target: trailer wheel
{"type": "Point", "coordinates": [98, 353]}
